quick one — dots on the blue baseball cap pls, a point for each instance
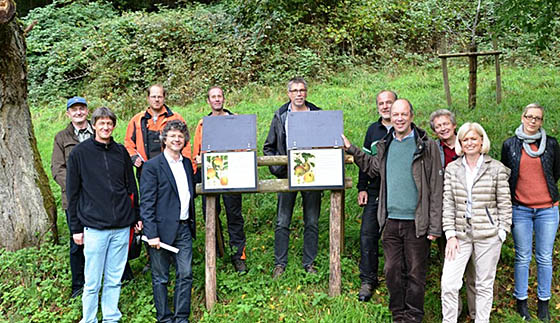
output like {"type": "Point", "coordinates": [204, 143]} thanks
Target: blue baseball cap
{"type": "Point", "coordinates": [75, 100]}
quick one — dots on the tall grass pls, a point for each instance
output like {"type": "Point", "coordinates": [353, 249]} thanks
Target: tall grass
{"type": "Point", "coordinates": [35, 282]}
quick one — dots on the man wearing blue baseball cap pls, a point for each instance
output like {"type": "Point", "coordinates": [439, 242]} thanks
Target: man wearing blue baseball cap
{"type": "Point", "coordinates": [78, 130]}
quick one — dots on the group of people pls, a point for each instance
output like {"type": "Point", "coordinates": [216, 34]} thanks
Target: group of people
{"type": "Point", "coordinates": [413, 189]}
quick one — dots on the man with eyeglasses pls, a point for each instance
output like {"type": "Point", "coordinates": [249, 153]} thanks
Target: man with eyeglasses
{"type": "Point", "coordinates": [142, 139]}
{"type": "Point", "coordinates": [274, 145]}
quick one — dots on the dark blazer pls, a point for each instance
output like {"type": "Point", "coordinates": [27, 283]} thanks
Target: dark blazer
{"type": "Point", "coordinates": [159, 199]}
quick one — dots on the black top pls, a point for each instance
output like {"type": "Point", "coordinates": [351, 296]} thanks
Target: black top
{"type": "Point", "coordinates": [275, 143]}
{"type": "Point", "coordinates": [375, 132]}
{"type": "Point", "coordinates": [101, 187]}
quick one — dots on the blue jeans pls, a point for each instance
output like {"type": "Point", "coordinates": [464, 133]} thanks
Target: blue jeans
{"type": "Point", "coordinates": [105, 252]}
{"type": "Point", "coordinates": [160, 260]}
{"type": "Point", "coordinates": [544, 222]}
{"type": "Point", "coordinates": [311, 201]}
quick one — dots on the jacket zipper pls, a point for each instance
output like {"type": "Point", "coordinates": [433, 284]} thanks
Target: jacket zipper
{"type": "Point", "coordinates": [488, 214]}
{"type": "Point", "coordinates": [110, 184]}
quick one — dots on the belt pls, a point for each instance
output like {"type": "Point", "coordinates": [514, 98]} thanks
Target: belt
{"type": "Point", "coordinates": [184, 221]}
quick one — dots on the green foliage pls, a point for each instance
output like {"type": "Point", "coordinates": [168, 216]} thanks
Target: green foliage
{"type": "Point", "coordinates": [35, 282]}
{"type": "Point", "coordinates": [92, 49]}
{"type": "Point", "coordinates": [56, 48]}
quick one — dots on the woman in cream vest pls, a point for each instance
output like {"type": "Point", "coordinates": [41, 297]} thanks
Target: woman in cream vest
{"type": "Point", "coordinates": [476, 218]}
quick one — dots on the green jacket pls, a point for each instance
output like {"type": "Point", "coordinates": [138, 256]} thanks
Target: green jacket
{"type": "Point", "coordinates": [428, 177]}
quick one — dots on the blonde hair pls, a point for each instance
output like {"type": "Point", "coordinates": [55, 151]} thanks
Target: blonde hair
{"type": "Point", "coordinates": [466, 128]}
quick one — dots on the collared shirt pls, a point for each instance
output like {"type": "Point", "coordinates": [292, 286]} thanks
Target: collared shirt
{"type": "Point", "coordinates": [83, 134]}
{"type": "Point", "coordinates": [470, 176]}
{"type": "Point", "coordinates": [180, 176]}
{"type": "Point", "coordinates": [411, 134]}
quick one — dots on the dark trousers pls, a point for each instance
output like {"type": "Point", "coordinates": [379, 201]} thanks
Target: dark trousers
{"type": "Point", "coordinates": [235, 222]}
{"type": "Point", "coordinates": [311, 201]}
{"type": "Point", "coordinates": [77, 261]}
{"type": "Point", "coordinates": [406, 260]}
{"type": "Point", "coordinates": [369, 241]}
{"type": "Point", "coordinates": [160, 261]}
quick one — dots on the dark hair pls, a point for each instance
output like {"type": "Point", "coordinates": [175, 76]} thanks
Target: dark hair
{"type": "Point", "coordinates": [212, 88]}
{"type": "Point", "coordinates": [156, 85]}
{"type": "Point", "coordinates": [174, 125]}
{"type": "Point", "coordinates": [103, 112]}
{"type": "Point", "coordinates": [297, 80]}
{"type": "Point", "coordinates": [383, 91]}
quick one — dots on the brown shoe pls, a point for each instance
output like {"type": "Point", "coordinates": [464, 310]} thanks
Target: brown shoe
{"type": "Point", "coordinates": [278, 271]}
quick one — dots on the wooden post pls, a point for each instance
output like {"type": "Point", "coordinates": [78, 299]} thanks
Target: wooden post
{"type": "Point", "coordinates": [498, 73]}
{"type": "Point", "coordinates": [210, 272]}
{"type": "Point", "coordinates": [342, 220]}
{"type": "Point", "coordinates": [334, 242]}
{"type": "Point", "coordinates": [472, 78]}
{"type": "Point", "coordinates": [444, 71]}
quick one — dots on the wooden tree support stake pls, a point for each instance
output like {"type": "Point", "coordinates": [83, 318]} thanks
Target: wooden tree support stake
{"type": "Point", "coordinates": [335, 245]}
{"type": "Point", "coordinates": [210, 251]}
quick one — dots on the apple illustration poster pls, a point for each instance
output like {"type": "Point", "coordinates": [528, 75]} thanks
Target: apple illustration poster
{"type": "Point", "coordinates": [316, 168]}
{"type": "Point", "coordinates": [229, 171]}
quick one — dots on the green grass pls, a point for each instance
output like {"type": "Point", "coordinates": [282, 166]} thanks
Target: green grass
{"type": "Point", "coordinates": [35, 282]}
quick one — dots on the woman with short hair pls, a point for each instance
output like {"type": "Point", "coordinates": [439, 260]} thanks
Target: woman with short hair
{"type": "Point", "coordinates": [534, 160]}
{"type": "Point", "coordinates": [476, 218]}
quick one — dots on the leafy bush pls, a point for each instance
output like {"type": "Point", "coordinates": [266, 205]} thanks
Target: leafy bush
{"type": "Point", "coordinates": [90, 48]}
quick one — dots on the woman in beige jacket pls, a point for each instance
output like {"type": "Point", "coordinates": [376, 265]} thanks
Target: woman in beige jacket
{"type": "Point", "coordinates": [476, 218]}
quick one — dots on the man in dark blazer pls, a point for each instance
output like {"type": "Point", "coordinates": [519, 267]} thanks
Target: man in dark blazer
{"type": "Point", "coordinates": [167, 209]}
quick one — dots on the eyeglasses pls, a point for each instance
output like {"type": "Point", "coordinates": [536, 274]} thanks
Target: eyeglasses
{"type": "Point", "coordinates": [534, 118]}
{"type": "Point", "coordinates": [298, 91]}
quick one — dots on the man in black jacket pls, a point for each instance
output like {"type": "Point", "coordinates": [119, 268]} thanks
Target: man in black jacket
{"type": "Point", "coordinates": [275, 144]}
{"type": "Point", "coordinates": [368, 194]}
{"type": "Point", "coordinates": [167, 209]}
{"type": "Point", "coordinates": [102, 206]}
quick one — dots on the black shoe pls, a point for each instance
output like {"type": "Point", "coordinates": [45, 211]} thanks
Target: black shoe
{"type": "Point", "coordinates": [77, 292]}
{"type": "Point", "coordinates": [523, 309]}
{"type": "Point", "coordinates": [542, 311]}
{"type": "Point", "coordinates": [278, 271]}
{"type": "Point", "coordinates": [146, 268]}
{"type": "Point", "coordinates": [240, 266]}
{"type": "Point", "coordinates": [365, 292]}
{"type": "Point", "coordinates": [310, 269]}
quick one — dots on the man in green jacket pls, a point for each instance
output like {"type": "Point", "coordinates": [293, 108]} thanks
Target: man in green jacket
{"type": "Point", "coordinates": [410, 207]}
{"type": "Point", "coordinates": [78, 130]}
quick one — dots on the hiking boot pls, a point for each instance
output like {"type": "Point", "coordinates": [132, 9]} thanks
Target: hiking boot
{"type": "Point", "coordinates": [365, 292]}
{"type": "Point", "coordinates": [240, 266]}
{"type": "Point", "coordinates": [310, 269]}
{"type": "Point", "coordinates": [278, 271]}
{"type": "Point", "coordinates": [542, 311]}
{"type": "Point", "coordinates": [523, 309]}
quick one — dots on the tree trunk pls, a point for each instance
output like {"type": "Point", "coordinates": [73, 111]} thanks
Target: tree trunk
{"type": "Point", "coordinates": [27, 206]}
